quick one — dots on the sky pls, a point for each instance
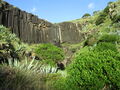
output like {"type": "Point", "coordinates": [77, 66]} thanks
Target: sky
{"type": "Point", "coordinates": [60, 10]}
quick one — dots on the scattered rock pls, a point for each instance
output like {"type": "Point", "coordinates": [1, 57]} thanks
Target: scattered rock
{"type": "Point", "coordinates": [60, 66]}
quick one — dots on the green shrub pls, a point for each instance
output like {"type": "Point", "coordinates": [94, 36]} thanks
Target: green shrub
{"type": "Point", "coordinates": [110, 3]}
{"type": "Point", "coordinates": [90, 41]}
{"type": "Point", "coordinates": [95, 12]}
{"type": "Point", "coordinates": [100, 18]}
{"type": "Point", "coordinates": [86, 15]}
{"type": "Point", "coordinates": [106, 46]}
{"type": "Point", "coordinates": [50, 52]}
{"type": "Point", "coordinates": [116, 18]}
{"type": "Point", "coordinates": [56, 82]}
{"type": "Point", "coordinates": [109, 38]}
{"type": "Point", "coordinates": [94, 70]}
{"type": "Point", "coordinates": [106, 10]}
{"type": "Point", "coordinates": [6, 35]}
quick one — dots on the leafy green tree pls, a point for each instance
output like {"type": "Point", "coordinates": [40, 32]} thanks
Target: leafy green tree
{"type": "Point", "coordinates": [86, 15]}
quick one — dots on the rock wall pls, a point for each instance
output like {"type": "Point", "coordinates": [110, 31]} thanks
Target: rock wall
{"type": "Point", "coordinates": [70, 32]}
{"type": "Point", "coordinates": [29, 28]}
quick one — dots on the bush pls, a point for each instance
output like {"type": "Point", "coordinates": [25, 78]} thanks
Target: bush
{"type": "Point", "coordinates": [106, 46]}
{"type": "Point", "coordinates": [116, 19]}
{"type": "Point", "coordinates": [6, 35]}
{"type": "Point", "coordinates": [90, 41]}
{"type": "Point", "coordinates": [109, 38]}
{"type": "Point", "coordinates": [50, 52]}
{"type": "Point", "coordinates": [100, 18]}
{"type": "Point", "coordinates": [94, 70]}
{"type": "Point", "coordinates": [106, 10]}
{"type": "Point", "coordinates": [110, 3]}
{"type": "Point", "coordinates": [86, 15]}
{"type": "Point", "coordinates": [95, 12]}
{"type": "Point", "coordinates": [56, 82]}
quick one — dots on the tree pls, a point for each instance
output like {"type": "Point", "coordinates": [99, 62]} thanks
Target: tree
{"type": "Point", "coordinates": [86, 15]}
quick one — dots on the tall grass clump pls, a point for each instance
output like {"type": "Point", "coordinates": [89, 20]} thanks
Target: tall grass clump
{"type": "Point", "coordinates": [21, 76]}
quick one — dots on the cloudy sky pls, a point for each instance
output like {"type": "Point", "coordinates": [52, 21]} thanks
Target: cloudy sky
{"type": "Point", "coordinates": [60, 10]}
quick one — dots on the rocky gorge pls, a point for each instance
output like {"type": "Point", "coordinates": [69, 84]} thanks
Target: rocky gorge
{"type": "Point", "coordinates": [31, 29]}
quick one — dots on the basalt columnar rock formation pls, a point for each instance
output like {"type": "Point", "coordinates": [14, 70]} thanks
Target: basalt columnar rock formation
{"type": "Point", "coordinates": [29, 28]}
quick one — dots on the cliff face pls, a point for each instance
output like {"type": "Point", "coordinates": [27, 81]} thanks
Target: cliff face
{"type": "Point", "coordinates": [29, 28]}
{"type": "Point", "coordinates": [70, 32]}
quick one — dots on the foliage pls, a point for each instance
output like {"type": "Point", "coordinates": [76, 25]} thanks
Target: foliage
{"type": "Point", "coordinates": [91, 41]}
{"type": "Point", "coordinates": [56, 82]}
{"type": "Point", "coordinates": [86, 15]}
{"type": "Point", "coordinates": [100, 19]}
{"type": "Point", "coordinates": [115, 14]}
{"type": "Point", "coordinates": [21, 76]}
{"type": "Point", "coordinates": [50, 52]}
{"type": "Point", "coordinates": [106, 46]}
{"type": "Point", "coordinates": [25, 65]}
{"type": "Point", "coordinates": [102, 16]}
{"type": "Point", "coordinates": [6, 35]}
{"type": "Point", "coordinates": [106, 10]}
{"type": "Point", "coordinates": [110, 3]}
{"type": "Point", "coordinates": [109, 38]}
{"type": "Point", "coordinates": [93, 70]}
{"type": "Point", "coordinates": [116, 18]}
{"type": "Point", "coordinates": [95, 12]}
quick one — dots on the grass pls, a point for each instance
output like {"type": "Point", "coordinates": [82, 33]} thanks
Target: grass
{"type": "Point", "coordinates": [22, 76]}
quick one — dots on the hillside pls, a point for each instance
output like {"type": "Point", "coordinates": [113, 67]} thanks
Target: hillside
{"type": "Point", "coordinates": [82, 54]}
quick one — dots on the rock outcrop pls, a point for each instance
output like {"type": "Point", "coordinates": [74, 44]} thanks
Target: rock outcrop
{"type": "Point", "coordinates": [7, 51]}
{"type": "Point", "coordinates": [29, 28]}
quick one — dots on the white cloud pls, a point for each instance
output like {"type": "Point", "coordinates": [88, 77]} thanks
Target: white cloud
{"type": "Point", "coordinates": [91, 6]}
{"type": "Point", "coordinates": [34, 9]}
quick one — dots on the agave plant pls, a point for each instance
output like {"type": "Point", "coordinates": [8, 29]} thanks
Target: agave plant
{"type": "Point", "coordinates": [22, 75]}
{"type": "Point", "coordinates": [27, 65]}
{"type": "Point", "coordinates": [31, 66]}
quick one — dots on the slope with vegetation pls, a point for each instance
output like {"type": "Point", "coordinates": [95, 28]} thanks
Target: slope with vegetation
{"type": "Point", "coordinates": [96, 62]}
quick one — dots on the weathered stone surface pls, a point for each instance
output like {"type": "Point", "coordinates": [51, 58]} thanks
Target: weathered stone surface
{"type": "Point", "coordinates": [70, 32]}
{"type": "Point", "coordinates": [29, 28]}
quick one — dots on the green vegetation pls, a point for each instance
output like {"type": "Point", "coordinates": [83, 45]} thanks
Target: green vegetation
{"type": "Point", "coordinates": [110, 38]}
{"type": "Point", "coordinates": [6, 36]}
{"type": "Point", "coordinates": [21, 76]}
{"type": "Point", "coordinates": [94, 63]}
{"type": "Point", "coordinates": [86, 15]}
{"type": "Point", "coordinates": [94, 67]}
{"type": "Point", "coordinates": [106, 46]}
{"type": "Point", "coordinates": [50, 53]}
{"type": "Point", "coordinates": [94, 70]}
